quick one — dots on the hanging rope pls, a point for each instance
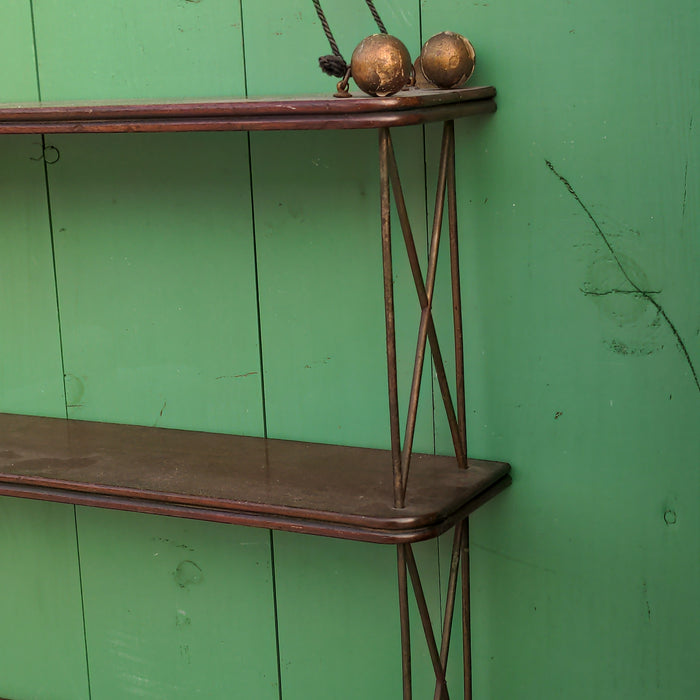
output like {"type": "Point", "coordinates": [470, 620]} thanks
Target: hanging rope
{"type": "Point", "coordinates": [335, 64]}
{"type": "Point", "coordinates": [376, 16]}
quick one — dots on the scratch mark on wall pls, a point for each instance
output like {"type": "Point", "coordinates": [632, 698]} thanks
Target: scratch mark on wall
{"type": "Point", "coordinates": [50, 155]}
{"type": "Point", "coordinates": [685, 173]}
{"type": "Point", "coordinates": [318, 363]}
{"type": "Point", "coordinates": [165, 540]}
{"type": "Point", "coordinates": [236, 376]}
{"type": "Point", "coordinates": [516, 560]}
{"type": "Point", "coordinates": [624, 349]}
{"type": "Point", "coordinates": [646, 600]}
{"type": "Point", "coordinates": [187, 574]}
{"type": "Point", "coordinates": [643, 293]}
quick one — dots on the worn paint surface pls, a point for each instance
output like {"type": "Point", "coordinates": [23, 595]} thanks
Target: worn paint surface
{"type": "Point", "coordinates": [158, 312]}
{"type": "Point", "coordinates": [174, 608]}
{"type": "Point", "coordinates": [30, 364]}
{"type": "Point", "coordinates": [581, 586]}
{"type": "Point", "coordinates": [579, 205]}
{"type": "Point", "coordinates": [43, 647]}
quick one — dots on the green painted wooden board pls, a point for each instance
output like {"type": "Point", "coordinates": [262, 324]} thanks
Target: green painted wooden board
{"type": "Point", "coordinates": [30, 353]}
{"type": "Point", "coordinates": [322, 326]}
{"type": "Point", "coordinates": [321, 299]}
{"type": "Point", "coordinates": [572, 376]}
{"type": "Point", "coordinates": [157, 301]}
{"type": "Point", "coordinates": [177, 608]}
{"type": "Point", "coordinates": [42, 652]}
{"type": "Point", "coordinates": [284, 40]}
{"type": "Point", "coordinates": [339, 619]}
{"type": "Point", "coordinates": [159, 319]}
{"type": "Point", "coordinates": [18, 78]}
{"type": "Point", "coordinates": [132, 49]}
{"type": "Point", "coordinates": [42, 649]}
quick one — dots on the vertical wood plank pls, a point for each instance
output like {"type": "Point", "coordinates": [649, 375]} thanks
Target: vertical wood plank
{"type": "Point", "coordinates": [316, 199]}
{"type": "Point", "coordinates": [322, 322]}
{"type": "Point", "coordinates": [177, 608]}
{"type": "Point", "coordinates": [156, 280]}
{"type": "Point", "coordinates": [322, 318]}
{"type": "Point", "coordinates": [133, 49]}
{"type": "Point", "coordinates": [339, 619]}
{"type": "Point", "coordinates": [572, 375]}
{"type": "Point", "coordinates": [42, 650]}
{"type": "Point", "coordinates": [30, 354]}
{"type": "Point", "coordinates": [18, 79]}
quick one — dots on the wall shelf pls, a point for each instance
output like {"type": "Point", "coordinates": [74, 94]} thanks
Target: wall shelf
{"type": "Point", "coordinates": [250, 114]}
{"type": "Point", "coordinates": [345, 492]}
{"type": "Point", "coordinates": [283, 485]}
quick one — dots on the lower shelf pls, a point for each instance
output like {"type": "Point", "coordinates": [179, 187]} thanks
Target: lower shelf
{"type": "Point", "coordinates": [311, 488]}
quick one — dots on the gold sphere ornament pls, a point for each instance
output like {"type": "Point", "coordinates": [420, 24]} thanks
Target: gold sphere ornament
{"type": "Point", "coordinates": [447, 60]}
{"type": "Point", "coordinates": [381, 65]}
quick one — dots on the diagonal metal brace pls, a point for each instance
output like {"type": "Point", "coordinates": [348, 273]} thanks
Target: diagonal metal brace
{"type": "Point", "coordinates": [441, 682]}
{"type": "Point", "coordinates": [446, 175]}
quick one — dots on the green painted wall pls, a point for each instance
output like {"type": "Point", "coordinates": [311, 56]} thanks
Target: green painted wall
{"type": "Point", "coordinates": [219, 282]}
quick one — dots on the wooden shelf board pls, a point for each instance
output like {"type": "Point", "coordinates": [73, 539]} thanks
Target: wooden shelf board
{"type": "Point", "coordinates": [312, 488]}
{"type": "Point", "coordinates": [409, 107]}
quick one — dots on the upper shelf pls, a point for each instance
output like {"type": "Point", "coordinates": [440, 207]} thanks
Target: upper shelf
{"type": "Point", "coordinates": [329, 490]}
{"type": "Point", "coordinates": [409, 107]}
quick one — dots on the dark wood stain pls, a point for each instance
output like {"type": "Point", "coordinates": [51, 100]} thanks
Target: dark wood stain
{"type": "Point", "coordinates": [305, 487]}
{"type": "Point", "coordinates": [247, 114]}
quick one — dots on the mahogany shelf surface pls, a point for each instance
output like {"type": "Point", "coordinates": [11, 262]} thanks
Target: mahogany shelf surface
{"type": "Point", "coordinates": [360, 111]}
{"type": "Point", "coordinates": [328, 490]}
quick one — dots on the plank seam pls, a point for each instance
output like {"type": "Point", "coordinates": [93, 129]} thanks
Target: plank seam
{"type": "Point", "coordinates": [430, 354]}
{"type": "Point", "coordinates": [82, 602]}
{"type": "Point", "coordinates": [273, 573]}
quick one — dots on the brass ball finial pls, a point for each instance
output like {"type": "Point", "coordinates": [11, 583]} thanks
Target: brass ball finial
{"type": "Point", "coordinates": [447, 60]}
{"type": "Point", "coordinates": [381, 65]}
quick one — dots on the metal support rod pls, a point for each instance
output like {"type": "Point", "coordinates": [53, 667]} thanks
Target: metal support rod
{"type": "Point", "coordinates": [405, 623]}
{"type": "Point", "coordinates": [427, 625]}
{"type": "Point", "coordinates": [450, 603]}
{"type": "Point", "coordinates": [466, 612]}
{"type": "Point", "coordinates": [385, 196]}
{"type": "Point", "coordinates": [423, 300]}
{"type": "Point", "coordinates": [456, 290]}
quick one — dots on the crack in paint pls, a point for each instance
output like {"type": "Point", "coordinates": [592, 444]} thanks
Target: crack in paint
{"type": "Point", "coordinates": [645, 294]}
{"type": "Point", "coordinates": [236, 376]}
{"type": "Point", "coordinates": [516, 560]}
{"type": "Point", "coordinates": [685, 174]}
{"type": "Point", "coordinates": [646, 600]}
{"type": "Point", "coordinates": [642, 293]}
